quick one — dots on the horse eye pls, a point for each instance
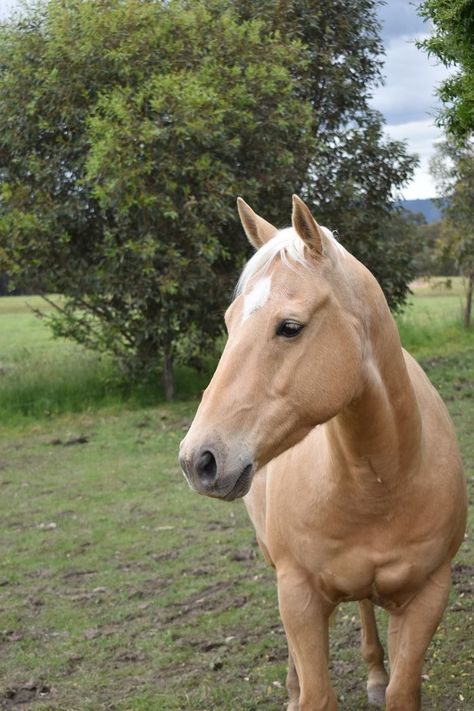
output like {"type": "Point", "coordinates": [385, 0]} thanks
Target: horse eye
{"type": "Point", "coordinates": [289, 329]}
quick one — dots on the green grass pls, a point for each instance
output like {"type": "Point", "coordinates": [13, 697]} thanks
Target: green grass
{"type": "Point", "coordinates": [431, 323]}
{"type": "Point", "coordinates": [121, 589]}
{"type": "Point", "coordinates": [43, 376]}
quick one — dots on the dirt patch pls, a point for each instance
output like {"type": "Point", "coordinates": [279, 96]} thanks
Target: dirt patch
{"type": "Point", "coordinates": [219, 526]}
{"type": "Point", "coordinates": [463, 578]}
{"type": "Point", "coordinates": [71, 441]}
{"type": "Point", "coordinates": [23, 694]}
{"type": "Point", "coordinates": [243, 555]}
{"type": "Point", "coordinates": [129, 656]}
{"type": "Point", "coordinates": [78, 574]}
{"type": "Point", "coordinates": [214, 598]}
{"type": "Point", "coordinates": [168, 555]}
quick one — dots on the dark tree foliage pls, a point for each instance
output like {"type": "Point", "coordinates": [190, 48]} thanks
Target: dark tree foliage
{"type": "Point", "coordinates": [453, 43]}
{"type": "Point", "coordinates": [342, 46]}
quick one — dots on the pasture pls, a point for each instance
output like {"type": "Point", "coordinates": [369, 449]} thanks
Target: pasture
{"type": "Point", "coordinates": [122, 590]}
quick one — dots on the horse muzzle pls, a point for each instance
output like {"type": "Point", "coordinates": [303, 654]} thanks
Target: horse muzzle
{"type": "Point", "coordinates": [214, 470]}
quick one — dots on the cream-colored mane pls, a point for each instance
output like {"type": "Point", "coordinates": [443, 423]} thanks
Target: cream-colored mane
{"type": "Point", "coordinates": [291, 249]}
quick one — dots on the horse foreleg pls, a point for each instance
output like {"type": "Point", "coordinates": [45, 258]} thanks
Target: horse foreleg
{"type": "Point", "coordinates": [372, 652]}
{"type": "Point", "coordinates": [305, 618]}
{"type": "Point", "coordinates": [292, 684]}
{"type": "Point", "coordinates": [410, 632]}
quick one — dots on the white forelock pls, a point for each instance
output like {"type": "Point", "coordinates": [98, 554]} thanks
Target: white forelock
{"type": "Point", "coordinates": [257, 297]}
{"type": "Point", "coordinates": [289, 246]}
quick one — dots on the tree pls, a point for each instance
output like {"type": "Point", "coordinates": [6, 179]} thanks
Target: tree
{"type": "Point", "coordinates": [453, 168]}
{"type": "Point", "coordinates": [128, 127]}
{"type": "Point", "coordinates": [453, 44]}
{"type": "Point", "coordinates": [125, 135]}
{"type": "Point", "coordinates": [430, 260]}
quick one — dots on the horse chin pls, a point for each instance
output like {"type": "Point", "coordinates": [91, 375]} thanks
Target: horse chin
{"type": "Point", "coordinates": [242, 485]}
{"type": "Point", "coordinates": [240, 488]}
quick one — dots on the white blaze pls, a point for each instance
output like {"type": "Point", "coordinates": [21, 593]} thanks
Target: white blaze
{"type": "Point", "coordinates": [257, 297]}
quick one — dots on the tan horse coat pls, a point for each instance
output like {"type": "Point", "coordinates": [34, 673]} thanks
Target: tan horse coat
{"type": "Point", "coordinates": [345, 454]}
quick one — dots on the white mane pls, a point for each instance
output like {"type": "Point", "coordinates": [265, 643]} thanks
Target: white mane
{"type": "Point", "coordinates": [289, 246]}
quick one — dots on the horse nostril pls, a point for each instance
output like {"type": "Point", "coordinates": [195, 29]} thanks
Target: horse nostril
{"type": "Point", "coordinates": [206, 467]}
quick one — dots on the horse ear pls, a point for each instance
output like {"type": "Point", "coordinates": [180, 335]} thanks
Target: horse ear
{"type": "Point", "coordinates": [257, 229]}
{"type": "Point", "coordinates": [306, 226]}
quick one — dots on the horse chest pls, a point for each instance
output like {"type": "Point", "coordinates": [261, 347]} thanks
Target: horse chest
{"type": "Point", "coordinates": [348, 560]}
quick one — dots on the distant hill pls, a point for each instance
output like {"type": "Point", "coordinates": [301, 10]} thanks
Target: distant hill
{"type": "Point", "coordinates": [426, 207]}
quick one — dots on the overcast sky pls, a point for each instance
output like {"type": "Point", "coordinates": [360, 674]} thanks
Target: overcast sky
{"type": "Point", "coordinates": [407, 100]}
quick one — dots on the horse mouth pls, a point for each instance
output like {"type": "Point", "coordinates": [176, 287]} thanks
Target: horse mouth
{"type": "Point", "coordinates": [242, 485]}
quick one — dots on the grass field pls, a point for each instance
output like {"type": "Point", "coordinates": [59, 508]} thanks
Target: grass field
{"type": "Point", "coordinates": [42, 376]}
{"type": "Point", "coordinates": [432, 321]}
{"type": "Point", "coordinates": [121, 590]}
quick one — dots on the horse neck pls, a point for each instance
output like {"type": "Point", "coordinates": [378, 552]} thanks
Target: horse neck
{"type": "Point", "coordinates": [378, 434]}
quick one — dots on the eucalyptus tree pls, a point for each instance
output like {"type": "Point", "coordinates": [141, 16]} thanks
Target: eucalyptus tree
{"type": "Point", "coordinates": [127, 129]}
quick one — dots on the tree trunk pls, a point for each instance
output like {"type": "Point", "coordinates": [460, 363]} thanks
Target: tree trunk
{"type": "Point", "coordinates": [168, 380]}
{"type": "Point", "coordinates": [468, 306]}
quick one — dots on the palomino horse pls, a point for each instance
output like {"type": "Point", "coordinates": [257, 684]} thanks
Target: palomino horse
{"type": "Point", "coordinates": [343, 451]}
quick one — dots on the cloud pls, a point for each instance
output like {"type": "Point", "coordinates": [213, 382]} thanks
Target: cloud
{"type": "Point", "coordinates": [408, 98]}
{"type": "Point", "coordinates": [399, 17]}
{"type": "Point", "coordinates": [411, 79]}
{"type": "Point", "coordinates": [420, 137]}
